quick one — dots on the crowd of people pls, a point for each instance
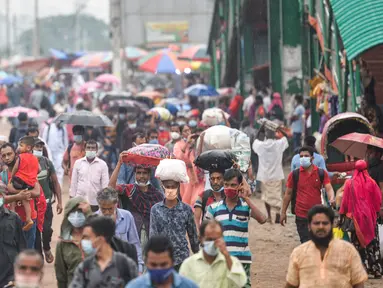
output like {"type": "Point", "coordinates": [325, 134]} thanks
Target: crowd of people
{"type": "Point", "coordinates": [124, 227]}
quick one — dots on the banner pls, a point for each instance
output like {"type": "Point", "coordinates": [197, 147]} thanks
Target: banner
{"type": "Point", "coordinates": [167, 32]}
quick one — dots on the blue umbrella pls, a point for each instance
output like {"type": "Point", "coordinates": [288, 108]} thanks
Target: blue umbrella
{"type": "Point", "coordinates": [57, 54]}
{"type": "Point", "coordinates": [200, 90]}
{"type": "Point", "coordinates": [9, 80]}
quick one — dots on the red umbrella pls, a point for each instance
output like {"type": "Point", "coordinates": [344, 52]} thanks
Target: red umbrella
{"type": "Point", "coordinates": [107, 78]}
{"type": "Point", "coordinates": [97, 59]}
{"type": "Point", "coordinates": [355, 144]}
{"type": "Point", "coordinates": [88, 87]}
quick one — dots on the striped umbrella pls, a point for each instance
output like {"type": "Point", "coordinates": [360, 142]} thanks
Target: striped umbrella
{"type": "Point", "coordinates": [134, 53]}
{"type": "Point", "coordinates": [195, 53]}
{"type": "Point", "coordinates": [93, 60]}
{"type": "Point", "coordinates": [14, 112]}
{"type": "Point", "coordinates": [162, 61]}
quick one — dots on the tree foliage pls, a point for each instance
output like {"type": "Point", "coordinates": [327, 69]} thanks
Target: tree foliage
{"type": "Point", "coordinates": [59, 32]}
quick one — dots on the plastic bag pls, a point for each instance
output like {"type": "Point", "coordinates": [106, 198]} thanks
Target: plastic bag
{"type": "Point", "coordinates": [215, 160]}
{"type": "Point", "coordinates": [213, 116]}
{"type": "Point", "coordinates": [337, 233]}
{"type": "Point", "coordinates": [172, 169]}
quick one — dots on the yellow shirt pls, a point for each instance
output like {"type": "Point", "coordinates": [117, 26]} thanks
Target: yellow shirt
{"type": "Point", "coordinates": [215, 275]}
{"type": "Point", "coordinates": [341, 266]}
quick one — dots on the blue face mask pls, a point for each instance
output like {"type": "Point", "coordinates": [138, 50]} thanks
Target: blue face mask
{"type": "Point", "coordinates": [193, 123]}
{"type": "Point", "coordinates": [87, 247]}
{"type": "Point", "coordinates": [305, 162]}
{"type": "Point", "coordinates": [153, 141]}
{"type": "Point", "coordinates": [159, 276]}
{"type": "Point", "coordinates": [77, 138]}
{"type": "Point", "coordinates": [77, 219]}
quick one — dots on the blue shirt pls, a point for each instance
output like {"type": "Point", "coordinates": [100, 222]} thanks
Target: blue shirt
{"type": "Point", "coordinates": [235, 225]}
{"type": "Point", "coordinates": [126, 230]}
{"type": "Point", "coordinates": [145, 282]}
{"type": "Point", "coordinates": [127, 176]}
{"type": "Point", "coordinates": [297, 125]}
{"type": "Point", "coordinates": [318, 161]}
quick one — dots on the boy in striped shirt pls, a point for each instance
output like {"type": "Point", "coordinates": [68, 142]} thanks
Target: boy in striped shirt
{"type": "Point", "coordinates": [234, 214]}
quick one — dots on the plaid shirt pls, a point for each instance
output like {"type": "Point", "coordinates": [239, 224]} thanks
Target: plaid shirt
{"type": "Point", "coordinates": [139, 203]}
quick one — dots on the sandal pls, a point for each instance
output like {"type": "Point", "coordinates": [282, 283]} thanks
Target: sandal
{"type": "Point", "coordinates": [49, 256]}
{"type": "Point", "coordinates": [28, 225]}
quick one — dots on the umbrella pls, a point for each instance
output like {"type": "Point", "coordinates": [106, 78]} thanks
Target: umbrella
{"type": "Point", "coordinates": [10, 79]}
{"type": "Point", "coordinates": [58, 54]}
{"type": "Point", "coordinates": [131, 105]}
{"type": "Point", "coordinates": [97, 59]}
{"type": "Point", "coordinates": [156, 83]}
{"type": "Point", "coordinates": [89, 87]}
{"type": "Point", "coordinates": [200, 90]}
{"type": "Point", "coordinates": [84, 118]}
{"type": "Point", "coordinates": [14, 112]}
{"type": "Point", "coordinates": [147, 155]}
{"type": "Point", "coordinates": [107, 78]}
{"type": "Point", "coordinates": [355, 144]}
{"type": "Point", "coordinates": [162, 62]}
{"type": "Point", "coordinates": [134, 53]}
{"type": "Point", "coordinates": [151, 94]}
{"type": "Point", "coordinates": [195, 53]}
{"type": "Point", "coordinates": [200, 66]}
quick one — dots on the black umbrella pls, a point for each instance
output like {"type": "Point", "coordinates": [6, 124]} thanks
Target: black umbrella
{"type": "Point", "coordinates": [84, 118]}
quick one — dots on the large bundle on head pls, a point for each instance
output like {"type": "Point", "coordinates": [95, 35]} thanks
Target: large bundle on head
{"type": "Point", "coordinates": [161, 114]}
{"type": "Point", "coordinates": [216, 160]}
{"type": "Point", "coordinates": [172, 169]}
{"type": "Point", "coordinates": [225, 138]}
{"type": "Point", "coordinates": [213, 116]}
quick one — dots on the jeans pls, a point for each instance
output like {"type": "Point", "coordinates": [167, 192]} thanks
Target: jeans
{"type": "Point", "coordinates": [47, 228]}
{"type": "Point", "coordinates": [38, 245]}
{"type": "Point", "coordinates": [303, 229]}
{"type": "Point", "coordinates": [30, 236]}
{"type": "Point", "coordinates": [296, 141]}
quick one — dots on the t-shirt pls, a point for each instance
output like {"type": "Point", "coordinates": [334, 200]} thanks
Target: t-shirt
{"type": "Point", "coordinates": [297, 125]}
{"type": "Point", "coordinates": [308, 190]}
{"type": "Point", "coordinates": [47, 169]}
{"type": "Point", "coordinates": [28, 168]}
{"type": "Point", "coordinates": [163, 137]}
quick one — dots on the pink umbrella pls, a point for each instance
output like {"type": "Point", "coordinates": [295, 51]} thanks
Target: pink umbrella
{"type": "Point", "coordinates": [88, 87]}
{"type": "Point", "coordinates": [107, 78]}
{"type": "Point", "coordinates": [14, 112]}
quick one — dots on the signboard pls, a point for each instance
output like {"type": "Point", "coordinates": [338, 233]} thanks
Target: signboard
{"type": "Point", "coordinates": [167, 32]}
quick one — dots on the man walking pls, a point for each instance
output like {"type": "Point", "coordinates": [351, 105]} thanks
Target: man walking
{"type": "Point", "coordinates": [234, 214]}
{"type": "Point", "coordinates": [29, 266]}
{"type": "Point", "coordinates": [74, 151]}
{"type": "Point", "coordinates": [304, 191]}
{"type": "Point", "coordinates": [324, 261]}
{"type": "Point", "coordinates": [213, 266]}
{"type": "Point", "coordinates": [104, 268]}
{"type": "Point", "coordinates": [11, 243]}
{"type": "Point", "coordinates": [297, 121]}
{"type": "Point", "coordinates": [90, 175]}
{"type": "Point", "coordinates": [270, 171]}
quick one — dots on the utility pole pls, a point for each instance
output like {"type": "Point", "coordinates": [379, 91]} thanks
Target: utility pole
{"type": "Point", "coordinates": [116, 34]}
{"type": "Point", "coordinates": [14, 34]}
{"type": "Point", "coordinates": [36, 32]}
{"type": "Point", "coordinates": [80, 5]}
{"type": "Point", "coordinates": [8, 27]}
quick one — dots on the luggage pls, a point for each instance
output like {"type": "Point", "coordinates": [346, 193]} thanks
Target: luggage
{"type": "Point", "coordinates": [172, 169]}
{"type": "Point", "coordinates": [215, 160]}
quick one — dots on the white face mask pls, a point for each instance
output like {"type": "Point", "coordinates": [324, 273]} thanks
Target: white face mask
{"type": "Point", "coordinates": [23, 281]}
{"type": "Point", "coordinates": [209, 248]}
{"type": "Point", "coordinates": [38, 153]}
{"type": "Point", "coordinates": [175, 135]}
{"type": "Point", "coordinates": [90, 154]}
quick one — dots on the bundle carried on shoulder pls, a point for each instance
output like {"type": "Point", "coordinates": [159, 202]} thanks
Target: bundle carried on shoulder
{"type": "Point", "coordinates": [213, 116]}
{"type": "Point", "coordinates": [216, 160]}
{"type": "Point", "coordinates": [172, 169]}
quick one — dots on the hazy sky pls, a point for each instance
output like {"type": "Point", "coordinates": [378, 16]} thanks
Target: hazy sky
{"type": "Point", "coordinates": [98, 8]}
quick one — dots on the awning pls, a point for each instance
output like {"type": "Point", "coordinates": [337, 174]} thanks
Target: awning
{"type": "Point", "coordinates": [360, 24]}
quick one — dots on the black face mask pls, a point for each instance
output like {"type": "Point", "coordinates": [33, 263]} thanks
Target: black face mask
{"type": "Point", "coordinates": [321, 241]}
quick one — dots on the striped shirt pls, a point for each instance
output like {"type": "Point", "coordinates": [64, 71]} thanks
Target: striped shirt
{"type": "Point", "coordinates": [235, 225]}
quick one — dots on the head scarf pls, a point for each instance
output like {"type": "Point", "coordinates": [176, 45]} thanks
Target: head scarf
{"type": "Point", "coordinates": [277, 101]}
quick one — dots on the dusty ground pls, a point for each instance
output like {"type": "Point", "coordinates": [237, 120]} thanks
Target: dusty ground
{"type": "Point", "coordinates": [270, 244]}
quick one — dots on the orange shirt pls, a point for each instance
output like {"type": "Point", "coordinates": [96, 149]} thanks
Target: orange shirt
{"type": "Point", "coordinates": [28, 168]}
{"type": "Point", "coordinates": [77, 152]}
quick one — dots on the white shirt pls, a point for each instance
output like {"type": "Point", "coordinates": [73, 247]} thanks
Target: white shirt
{"type": "Point", "coordinates": [270, 153]}
{"type": "Point", "coordinates": [247, 103]}
{"type": "Point", "coordinates": [89, 178]}
{"type": "Point", "coordinates": [57, 140]}
{"type": "Point", "coordinates": [266, 102]}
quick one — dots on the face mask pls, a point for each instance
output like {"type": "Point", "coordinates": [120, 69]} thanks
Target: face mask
{"type": "Point", "coordinates": [1, 202]}
{"type": "Point", "coordinates": [181, 123]}
{"type": "Point", "coordinates": [90, 154]}
{"type": "Point", "coordinates": [161, 128]}
{"type": "Point", "coordinates": [139, 184]}
{"type": "Point", "coordinates": [171, 194]}
{"type": "Point", "coordinates": [219, 190]}
{"type": "Point", "coordinates": [77, 138]}
{"type": "Point", "coordinates": [230, 192]}
{"type": "Point", "coordinates": [305, 162]}
{"type": "Point", "coordinates": [153, 141]}
{"type": "Point", "coordinates": [77, 219]}
{"type": "Point", "coordinates": [23, 281]}
{"type": "Point", "coordinates": [38, 153]}
{"type": "Point", "coordinates": [159, 276]}
{"type": "Point", "coordinates": [193, 123]}
{"type": "Point", "coordinates": [175, 135]}
{"type": "Point", "coordinates": [209, 248]}
{"type": "Point", "coordinates": [87, 247]}
{"type": "Point", "coordinates": [121, 116]}
{"type": "Point", "coordinates": [133, 125]}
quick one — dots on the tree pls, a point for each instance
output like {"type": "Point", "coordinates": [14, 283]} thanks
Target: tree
{"type": "Point", "coordinates": [59, 32]}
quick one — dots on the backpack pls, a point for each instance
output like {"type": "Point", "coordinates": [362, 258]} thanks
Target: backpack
{"type": "Point", "coordinates": [49, 129]}
{"type": "Point", "coordinates": [121, 264]}
{"type": "Point", "coordinates": [295, 185]}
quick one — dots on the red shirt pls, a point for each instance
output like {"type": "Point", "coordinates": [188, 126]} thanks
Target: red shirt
{"type": "Point", "coordinates": [163, 137]}
{"type": "Point", "coordinates": [308, 190]}
{"type": "Point", "coordinates": [28, 168]}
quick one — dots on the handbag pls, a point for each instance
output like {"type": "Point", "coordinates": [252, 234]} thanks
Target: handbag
{"type": "Point", "coordinates": [347, 223]}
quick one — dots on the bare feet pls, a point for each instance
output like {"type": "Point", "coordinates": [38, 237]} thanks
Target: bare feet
{"type": "Point", "coordinates": [28, 225]}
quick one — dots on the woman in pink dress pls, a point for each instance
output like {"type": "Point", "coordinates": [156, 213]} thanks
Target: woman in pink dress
{"type": "Point", "coordinates": [185, 150]}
